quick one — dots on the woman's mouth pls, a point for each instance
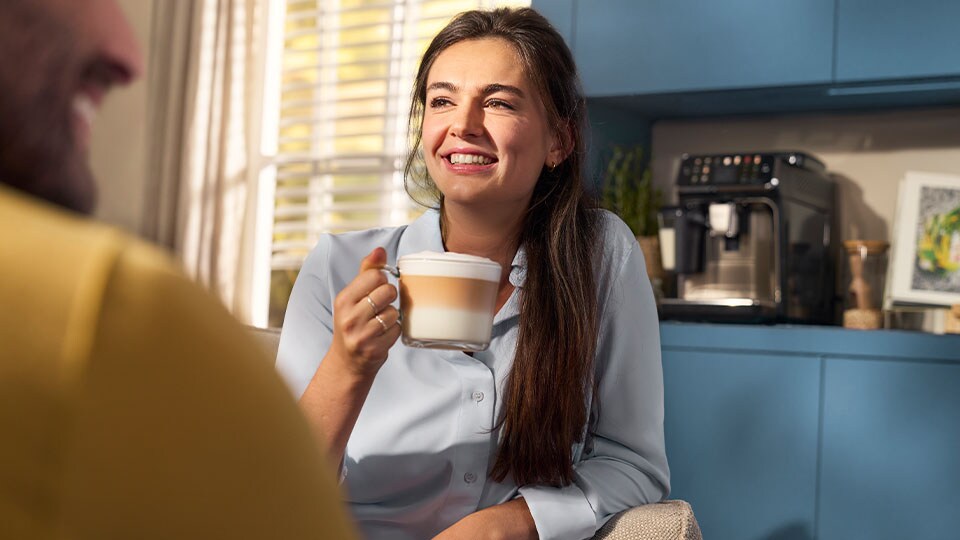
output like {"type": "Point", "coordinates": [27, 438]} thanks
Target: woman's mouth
{"type": "Point", "coordinates": [469, 159]}
{"type": "Point", "coordinates": [464, 162]}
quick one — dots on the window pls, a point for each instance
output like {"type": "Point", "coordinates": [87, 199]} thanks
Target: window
{"type": "Point", "coordinates": [336, 101]}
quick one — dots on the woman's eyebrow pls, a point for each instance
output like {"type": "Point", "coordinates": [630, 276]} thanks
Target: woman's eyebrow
{"type": "Point", "coordinates": [487, 90]}
{"type": "Point", "coordinates": [443, 85]}
{"type": "Point", "coordinates": [496, 87]}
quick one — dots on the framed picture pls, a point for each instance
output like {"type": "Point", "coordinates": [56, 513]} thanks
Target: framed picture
{"type": "Point", "coordinates": [925, 265]}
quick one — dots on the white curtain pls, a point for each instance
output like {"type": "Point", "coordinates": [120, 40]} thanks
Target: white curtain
{"type": "Point", "coordinates": [203, 92]}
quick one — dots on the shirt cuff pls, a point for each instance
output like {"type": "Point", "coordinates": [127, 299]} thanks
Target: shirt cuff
{"type": "Point", "coordinates": [560, 513]}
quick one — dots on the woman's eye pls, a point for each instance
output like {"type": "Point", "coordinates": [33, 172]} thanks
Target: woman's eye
{"type": "Point", "coordinates": [439, 102]}
{"type": "Point", "coordinates": [499, 104]}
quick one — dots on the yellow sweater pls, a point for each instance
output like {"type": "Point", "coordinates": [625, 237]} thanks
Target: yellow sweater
{"type": "Point", "coordinates": [132, 405]}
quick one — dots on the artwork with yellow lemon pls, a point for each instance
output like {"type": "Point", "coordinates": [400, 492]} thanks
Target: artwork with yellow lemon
{"type": "Point", "coordinates": [926, 243]}
{"type": "Point", "coordinates": [938, 252]}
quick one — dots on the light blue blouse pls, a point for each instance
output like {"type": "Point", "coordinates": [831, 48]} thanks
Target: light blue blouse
{"type": "Point", "coordinates": [419, 457]}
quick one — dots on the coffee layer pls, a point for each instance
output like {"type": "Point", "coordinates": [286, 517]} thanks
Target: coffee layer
{"type": "Point", "coordinates": [465, 326]}
{"type": "Point", "coordinates": [449, 265]}
{"type": "Point", "coordinates": [440, 291]}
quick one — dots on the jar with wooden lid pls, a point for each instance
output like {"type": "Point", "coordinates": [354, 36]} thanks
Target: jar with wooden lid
{"type": "Point", "coordinates": [864, 274]}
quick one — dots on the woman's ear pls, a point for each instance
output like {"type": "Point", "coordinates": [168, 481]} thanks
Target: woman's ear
{"type": "Point", "coordinates": [561, 147]}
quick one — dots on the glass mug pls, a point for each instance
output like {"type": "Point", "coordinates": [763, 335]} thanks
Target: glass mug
{"type": "Point", "coordinates": [447, 300]}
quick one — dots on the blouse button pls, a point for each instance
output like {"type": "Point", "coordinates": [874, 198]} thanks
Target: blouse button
{"type": "Point", "coordinates": [469, 478]}
{"type": "Point", "coordinates": [478, 396]}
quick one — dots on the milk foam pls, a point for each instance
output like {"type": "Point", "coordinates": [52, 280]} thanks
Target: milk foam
{"type": "Point", "coordinates": [448, 324]}
{"type": "Point", "coordinates": [431, 263]}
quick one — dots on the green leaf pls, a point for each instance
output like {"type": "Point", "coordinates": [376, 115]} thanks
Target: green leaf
{"type": "Point", "coordinates": [628, 190]}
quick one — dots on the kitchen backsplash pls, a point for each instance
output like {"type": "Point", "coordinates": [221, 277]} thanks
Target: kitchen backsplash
{"type": "Point", "coordinates": [868, 153]}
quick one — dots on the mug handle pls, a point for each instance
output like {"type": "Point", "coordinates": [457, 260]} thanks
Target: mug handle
{"type": "Point", "coordinates": [395, 272]}
{"type": "Point", "coordinates": [392, 270]}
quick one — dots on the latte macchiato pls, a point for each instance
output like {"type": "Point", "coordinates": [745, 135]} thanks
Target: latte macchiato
{"type": "Point", "coordinates": [447, 300]}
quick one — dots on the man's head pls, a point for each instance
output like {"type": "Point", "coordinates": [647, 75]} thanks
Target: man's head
{"type": "Point", "coordinates": [58, 58]}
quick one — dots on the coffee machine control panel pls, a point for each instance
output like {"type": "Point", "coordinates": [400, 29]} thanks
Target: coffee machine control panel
{"type": "Point", "coordinates": [738, 169]}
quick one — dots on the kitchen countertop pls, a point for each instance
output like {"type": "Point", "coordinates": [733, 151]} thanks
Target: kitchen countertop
{"type": "Point", "coordinates": [812, 340]}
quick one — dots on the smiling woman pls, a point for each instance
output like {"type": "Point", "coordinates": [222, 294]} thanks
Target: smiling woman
{"type": "Point", "coordinates": [335, 132]}
{"type": "Point", "coordinates": [558, 424]}
{"type": "Point", "coordinates": [501, 135]}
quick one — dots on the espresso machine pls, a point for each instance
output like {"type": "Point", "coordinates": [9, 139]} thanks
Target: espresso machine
{"type": "Point", "coordinates": [751, 239]}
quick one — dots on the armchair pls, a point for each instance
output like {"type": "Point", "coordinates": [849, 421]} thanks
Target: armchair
{"type": "Point", "coordinates": [667, 520]}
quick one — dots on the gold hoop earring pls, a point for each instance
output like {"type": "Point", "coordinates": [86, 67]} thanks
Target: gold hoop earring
{"type": "Point", "coordinates": [552, 167]}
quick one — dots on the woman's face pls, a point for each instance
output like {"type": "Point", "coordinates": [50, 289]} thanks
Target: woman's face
{"type": "Point", "coordinates": [485, 131]}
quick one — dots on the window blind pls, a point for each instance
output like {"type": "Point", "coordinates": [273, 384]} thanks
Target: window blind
{"type": "Point", "coordinates": [345, 76]}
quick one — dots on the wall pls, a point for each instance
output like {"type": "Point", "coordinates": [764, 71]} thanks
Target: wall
{"type": "Point", "coordinates": [118, 145]}
{"type": "Point", "coordinates": [867, 152]}
{"type": "Point", "coordinates": [611, 126]}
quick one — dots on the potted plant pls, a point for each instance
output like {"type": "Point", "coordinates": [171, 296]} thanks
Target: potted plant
{"type": "Point", "coordinates": [628, 191]}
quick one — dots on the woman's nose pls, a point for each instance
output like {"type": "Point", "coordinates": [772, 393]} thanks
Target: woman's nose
{"type": "Point", "coordinates": [468, 121]}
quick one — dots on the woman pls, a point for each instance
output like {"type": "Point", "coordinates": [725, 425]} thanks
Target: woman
{"type": "Point", "coordinates": [559, 424]}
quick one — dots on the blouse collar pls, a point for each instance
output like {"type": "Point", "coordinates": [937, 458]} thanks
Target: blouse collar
{"type": "Point", "coordinates": [424, 235]}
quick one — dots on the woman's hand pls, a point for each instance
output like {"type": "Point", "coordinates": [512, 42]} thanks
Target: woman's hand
{"type": "Point", "coordinates": [507, 521]}
{"type": "Point", "coordinates": [363, 332]}
{"type": "Point", "coordinates": [365, 325]}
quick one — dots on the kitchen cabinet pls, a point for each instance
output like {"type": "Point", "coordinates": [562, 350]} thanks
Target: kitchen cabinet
{"type": "Point", "coordinates": [657, 46]}
{"type": "Point", "coordinates": [891, 441]}
{"type": "Point", "coordinates": [892, 39]}
{"type": "Point", "coordinates": [806, 432]}
{"type": "Point", "coordinates": [694, 58]}
{"type": "Point", "coordinates": [560, 15]}
{"type": "Point", "coordinates": [741, 433]}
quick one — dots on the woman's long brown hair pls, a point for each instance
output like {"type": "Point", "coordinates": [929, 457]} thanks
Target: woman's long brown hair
{"type": "Point", "coordinates": [545, 402]}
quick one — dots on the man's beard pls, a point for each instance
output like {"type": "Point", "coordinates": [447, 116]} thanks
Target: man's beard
{"type": "Point", "coordinates": [38, 147]}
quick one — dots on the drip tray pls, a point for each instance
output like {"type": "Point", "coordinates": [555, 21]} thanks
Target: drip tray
{"type": "Point", "coordinates": [720, 310]}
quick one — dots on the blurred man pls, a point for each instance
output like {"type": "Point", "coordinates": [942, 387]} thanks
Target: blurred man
{"type": "Point", "coordinates": [131, 404]}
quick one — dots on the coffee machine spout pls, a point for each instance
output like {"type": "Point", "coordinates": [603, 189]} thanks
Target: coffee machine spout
{"type": "Point", "coordinates": [724, 219]}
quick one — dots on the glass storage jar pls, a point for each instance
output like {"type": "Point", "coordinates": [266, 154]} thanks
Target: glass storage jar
{"type": "Point", "coordinates": [865, 270]}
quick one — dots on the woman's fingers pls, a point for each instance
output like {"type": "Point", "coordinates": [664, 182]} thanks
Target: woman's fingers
{"type": "Point", "coordinates": [374, 337]}
{"type": "Point", "coordinates": [374, 260]}
{"type": "Point", "coordinates": [356, 290]}
{"type": "Point", "coordinates": [366, 307]}
{"type": "Point", "coordinates": [365, 322]}
{"type": "Point", "coordinates": [369, 278]}
{"type": "Point", "coordinates": [383, 325]}
{"type": "Point", "coordinates": [386, 317]}
{"type": "Point", "coordinates": [380, 298]}
{"type": "Point", "coordinates": [384, 321]}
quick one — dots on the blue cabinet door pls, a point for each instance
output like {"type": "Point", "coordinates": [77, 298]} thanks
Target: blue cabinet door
{"type": "Point", "coordinates": [891, 39]}
{"type": "Point", "coordinates": [891, 450]}
{"type": "Point", "coordinates": [741, 436]}
{"type": "Point", "coordinates": [656, 46]}
{"type": "Point", "coordinates": [560, 15]}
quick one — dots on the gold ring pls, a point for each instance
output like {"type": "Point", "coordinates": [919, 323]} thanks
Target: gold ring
{"type": "Point", "coordinates": [383, 324]}
{"type": "Point", "coordinates": [373, 305]}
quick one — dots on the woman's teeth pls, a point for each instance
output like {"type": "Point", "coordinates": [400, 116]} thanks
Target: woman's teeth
{"type": "Point", "coordinates": [469, 159]}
